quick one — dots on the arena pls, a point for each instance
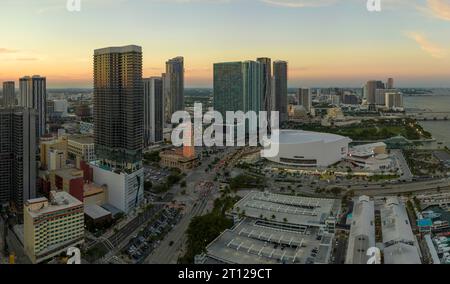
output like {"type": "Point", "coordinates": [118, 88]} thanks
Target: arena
{"type": "Point", "coordinates": [310, 149]}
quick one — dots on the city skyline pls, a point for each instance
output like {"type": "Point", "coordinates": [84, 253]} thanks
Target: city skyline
{"type": "Point", "coordinates": [351, 48]}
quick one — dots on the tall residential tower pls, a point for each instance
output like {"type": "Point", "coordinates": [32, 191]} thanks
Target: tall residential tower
{"type": "Point", "coordinates": [280, 88]}
{"type": "Point", "coordinates": [9, 94]}
{"type": "Point", "coordinates": [33, 94]}
{"type": "Point", "coordinates": [153, 111]}
{"type": "Point", "coordinates": [173, 87]}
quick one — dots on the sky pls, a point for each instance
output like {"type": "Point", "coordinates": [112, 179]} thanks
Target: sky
{"type": "Point", "coordinates": [326, 42]}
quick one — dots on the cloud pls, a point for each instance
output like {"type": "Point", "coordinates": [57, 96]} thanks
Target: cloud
{"type": "Point", "coordinates": [439, 8]}
{"type": "Point", "coordinates": [429, 47]}
{"type": "Point", "coordinates": [300, 3]}
{"type": "Point", "coordinates": [7, 50]}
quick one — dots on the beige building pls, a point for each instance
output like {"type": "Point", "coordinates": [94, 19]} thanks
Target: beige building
{"type": "Point", "coordinates": [52, 226]}
{"type": "Point", "coordinates": [81, 148]}
{"type": "Point", "coordinates": [52, 149]}
{"type": "Point", "coordinates": [176, 159]}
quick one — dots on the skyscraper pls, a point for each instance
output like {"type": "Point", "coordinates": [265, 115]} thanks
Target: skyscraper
{"type": "Point", "coordinates": [304, 98]}
{"type": "Point", "coordinates": [239, 86]}
{"type": "Point", "coordinates": [18, 165]}
{"type": "Point", "coordinates": [119, 124]}
{"type": "Point", "coordinates": [153, 110]}
{"type": "Point", "coordinates": [9, 94]}
{"type": "Point", "coordinates": [33, 94]}
{"type": "Point", "coordinates": [118, 106]}
{"type": "Point", "coordinates": [173, 87]}
{"type": "Point", "coordinates": [370, 91]}
{"type": "Point", "coordinates": [390, 83]}
{"type": "Point", "coordinates": [280, 88]}
{"type": "Point", "coordinates": [267, 82]}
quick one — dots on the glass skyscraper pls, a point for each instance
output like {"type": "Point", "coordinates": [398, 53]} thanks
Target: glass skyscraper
{"type": "Point", "coordinates": [118, 106]}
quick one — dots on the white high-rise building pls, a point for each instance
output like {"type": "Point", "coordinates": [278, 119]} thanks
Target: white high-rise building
{"type": "Point", "coordinates": [394, 100]}
{"type": "Point", "coordinates": [33, 94]}
{"type": "Point", "coordinates": [153, 110]}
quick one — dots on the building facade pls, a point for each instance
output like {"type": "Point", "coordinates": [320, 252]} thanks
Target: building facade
{"type": "Point", "coordinates": [173, 87]}
{"type": "Point", "coordinates": [370, 90]}
{"type": "Point", "coordinates": [304, 98]}
{"type": "Point", "coordinates": [280, 89]}
{"type": "Point", "coordinates": [118, 106]}
{"type": "Point", "coordinates": [52, 226]}
{"type": "Point", "coordinates": [18, 164]}
{"type": "Point", "coordinates": [9, 94]}
{"type": "Point", "coordinates": [33, 94]}
{"type": "Point", "coordinates": [153, 111]}
{"type": "Point", "coordinates": [239, 86]}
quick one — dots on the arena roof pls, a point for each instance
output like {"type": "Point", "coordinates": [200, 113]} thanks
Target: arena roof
{"type": "Point", "coordinates": [300, 136]}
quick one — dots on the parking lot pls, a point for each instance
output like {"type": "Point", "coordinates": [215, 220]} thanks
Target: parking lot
{"type": "Point", "coordinates": [150, 237]}
{"type": "Point", "coordinates": [155, 175]}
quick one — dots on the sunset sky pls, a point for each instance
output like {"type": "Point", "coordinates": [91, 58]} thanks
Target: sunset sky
{"type": "Point", "coordinates": [326, 42]}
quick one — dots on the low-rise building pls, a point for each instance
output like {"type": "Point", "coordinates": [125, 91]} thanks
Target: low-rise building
{"type": "Point", "coordinates": [400, 244]}
{"type": "Point", "coordinates": [81, 148]}
{"type": "Point", "coordinates": [276, 229]}
{"type": "Point", "coordinates": [52, 226]}
{"type": "Point", "coordinates": [362, 231]}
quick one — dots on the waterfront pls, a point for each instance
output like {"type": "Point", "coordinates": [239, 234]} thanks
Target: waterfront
{"type": "Point", "coordinates": [437, 103]}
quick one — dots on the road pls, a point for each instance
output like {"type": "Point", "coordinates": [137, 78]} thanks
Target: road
{"type": "Point", "coordinates": [393, 189]}
{"type": "Point", "coordinates": [169, 254]}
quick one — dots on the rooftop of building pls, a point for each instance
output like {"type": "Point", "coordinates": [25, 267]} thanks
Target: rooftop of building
{"type": "Point", "coordinates": [362, 231]}
{"type": "Point", "coordinates": [365, 150]}
{"type": "Point", "coordinates": [92, 189]}
{"type": "Point", "coordinates": [395, 222]}
{"type": "Point", "coordinates": [82, 139]}
{"type": "Point", "coordinates": [401, 253]}
{"type": "Point", "coordinates": [95, 212]}
{"type": "Point", "coordinates": [289, 210]}
{"type": "Point", "coordinates": [250, 242]}
{"type": "Point", "coordinates": [59, 200]}
{"type": "Point", "coordinates": [69, 173]}
{"type": "Point", "coordinates": [118, 49]}
{"type": "Point", "coordinates": [300, 136]}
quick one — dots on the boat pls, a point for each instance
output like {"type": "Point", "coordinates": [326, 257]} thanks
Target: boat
{"type": "Point", "coordinates": [431, 214]}
{"type": "Point", "coordinates": [439, 225]}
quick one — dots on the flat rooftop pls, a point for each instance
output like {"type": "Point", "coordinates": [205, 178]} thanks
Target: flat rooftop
{"type": "Point", "coordinates": [300, 136]}
{"type": "Point", "coordinates": [362, 231]}
{"type": "Point", "coordinates": [252, 242]}
{"type": "Point", "coordinates": [288, 210]}
{"type": "Point", "coordinates": [95, 212]}
{"type": "Point", "coordinates": [82, 139]}
{"type": "Point", "coordinates": [61, 200]}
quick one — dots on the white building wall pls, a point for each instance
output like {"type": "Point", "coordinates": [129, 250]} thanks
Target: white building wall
{"type": "Point", "coordinates": [122, 188]}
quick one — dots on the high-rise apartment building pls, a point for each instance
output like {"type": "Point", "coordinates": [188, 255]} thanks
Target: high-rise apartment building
{"type": "Point", "coordinates": [118, 106]}
{"type": "Point", "coordinates": [18, 165]}
{"type": "Point", "coordinates": [370, 91]}
{"type": "Point", "coordinates": [390, 83]}
{"type": "Point", "coordinates": [52, 226]}
{"type": "Point", "coordinates": [280, 89]}
{"type": "Point", "coordinates": [267, 82]}
{"type": "Point", "coordinates": [394, 100]}
{"type": "Point", "coordinates": [33, 94]}
{"type": "Point", "coordinates": [9, 94]}
{"type": "Point", "coordinates": [239, 86]}
{"type": "Point", "coordinates": [304, 98]}
{"type": "Point", "coordinates": [119, 124]}
{"type": "Point", "coordinates": [173, 87]}
{"type": "Point", "coordinates": [153, 111]}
